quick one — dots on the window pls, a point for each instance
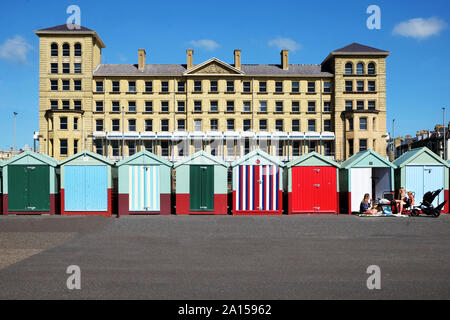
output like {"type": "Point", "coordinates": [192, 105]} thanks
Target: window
{"type": "Point", "coordinates": [54, 68]}
{"type": "Point", "coordinates": [66, 50]}
{"type": "Point", "coordinates": [66, 104]}
{"type": "Point", "coordinates": [296, 125]}
{"type": "Point", "coordinates": [230, 86]}
{"type": "Point", "coordinates": [360, 86]}
{"type": "Point", "coordinates": [164, 86]}
{"type": "Point", "coordinates": [311, 87]}
{"type": "Point", "coordinates": [262, 125]}
{"type": "Point", "coordinates": [311, 125]}
{"type": "Point", "coordinates": [327, 125]}
{"type": "Point", "coordinates": [77, 85]}
{"type": "Point", "coordinates": [296, 106]}
{"type": "Point", "coordinates": [263, 106]}
{"type": "Point", "coordinates": [214, 125]}
{"type": "Point", "coordinates": [54, 105]}
{"type": "Point", "coordinates": [77, 50]}
{"type": "Point", "coordinates": [148, 86]}
{"type": "Point", "coordinates": [116, 86]}
{"type": "Point", "coordinates": [131, 86]}
{"type": "Point", "coordinates": [327, 106]}
{"type": "Point", "coordinates": [197, 106]}
{"type": "Point", "coordinates": [77, 104]}
{"type": "Point", "coordinates": [54, 50]}
{"type": "Point", "coordinates": [54, 85]}
{"type": "Point", "coordinates": [359, 105]}
{"type": "Point", "coordinates": [131, 147]}
{"type": "Point", "coordinates": [280, 148]}
{"type": "Point", "coordinates": [132, 125]}
{"type": "Point", "coordinates": [247, 106]}
{"type": "Point", "coordinates": [348, 86]}
{"type": "Point", "coordinates": [311, 106]}
{"type": "Point", "coordinates": [262, 86]}
{"type": "Point", "coordinates": [181, 106]}
{"type": "Point", "coordinates": [360, 68]}
{"type": "Point", "coordinates": [348, 68]}
{"type": "Point", "coordinates": [181, 125]}
{"type": "Point", "coordinates": [115, 148]}
{"type": "Point", "coordinates": [165, 148]}
{"type": "Point", "coordinates": [362, 145]}
{"type": "Point", "coordinates": [246, 146]}
{"type": "Point", "coordinates": [350, 124]}
{"type": "Point", "coordinates": [247, 86]}
{"type": "Point", "coordinates": [327, 87]}
{"type": "Point", "coordinates": [148, 145]}
{"type": "Point", "coordinates": [77, 67]}
{"type": "Point", "coordinates": [197, 86]}
{"type": "Point", "coordinates": [296, 148]}
{"type": "Point", "coordinates": [131, 106]}
{"type": "Point", "coordinates": [164, 106]}
{"type": "Point", "coordinates": [213, 86]}
{"type": "Point", "coordinates": [295, 86]}
{"type": "Point", "coordinates": [312, 146]}
{"type": "Point", "coordinates": [99, 147]}
{"type": "Point", "coordinates": [371, 105]}
{"type": "Point", "coordinates": [371, 86]}
{"type": "Point", "coordinates": [230, 124]}
{"type": "Point", "coordinates": [214, 106]}
{"type": "Point", "coordinates": [371, 68]}
{"type": "Point", "coordinates": [327, 148]}
{"type": "Point", "coordinates": [99, 125]}
{"type": "Point", "coordinates": [278, 86]}
{"type": "Point", "coordinates": [164, 125]}
{"type": "Point", "coordinates": [279, 125]}
{"type": "Point", "coordinates": [99, 86]}
{"type": "Point", "coordinates": [115, 106]}
{"type": "Point", "coordinates": [66, 68]}
{"type": "Point", "coordinates": [279, 106]}
{"type": "Point", "coordinates": [148, 106]}
{"type": "Point", "coordinates": [75, 123]}
{"type": "Point", "coordinates": [181, 86]}
{"type": "Point", "coordinates": [75, 146]}
{"type": "Point", "coordinates": [98, 106]}
{"type": "Point", "coordinates": [362, 123]}
{"type": "Point", "coordinates": [348, 105]}
{"type": "Point", "coordinates": [66, 85]}
{"type": "Point", "coordinates": [63, 123]}
{"type": "Point", "coordinates": [198, 125]}
{"type": "Point", "coordinates": [247, 125]}
{"type": "Point", "coordinates": [350, 147]}
{"type": "Point", "coordinates": [63, 147]}
{"type": "Point", "coordinates": [116, 125]}
{"type": "Point", "coordinates": [230, 106]}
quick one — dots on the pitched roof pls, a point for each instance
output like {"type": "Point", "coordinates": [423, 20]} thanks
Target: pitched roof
{"type": "Point", "coordinates": [201, 153]}
{"type": "Point", "coordinates": [89, 154]}
{"type": "Point", "coordinates": [145, 153]}
{"type": "Point", "coordinates": [64, 29]}
{"type": "Point", "coordinates": [260, 153]}
{"type": "Point", "coordinates": [38, 156]}
{"type": "Point", "coordinates": [217, 61]}
{"type": "Point", "coordinates": [307, 156]}
{"type": "Point", "coordinates": [359, 48]}
{"type": "Point", "coordinates": [409, 156]}
{"type": "Point", "coordinates": [356, 158]}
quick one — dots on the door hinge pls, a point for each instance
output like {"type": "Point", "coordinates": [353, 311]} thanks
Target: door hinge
{"type": "Point", "coordinates": [317, 170]}
{"type": "Point", "coordinates": [203, 207]}
{"type": "Point", "coordinates": [317, 185]}
{"type": "Point", "coordinates": [31, 208]}
{"type": "Point", "coordinates": [316, 208]}
{"type": "Point", "coordinates": [31, 168]}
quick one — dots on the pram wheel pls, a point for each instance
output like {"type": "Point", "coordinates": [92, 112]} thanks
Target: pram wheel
{"type": "Point", "coordinates": [415, 213]}
{"type": "Point", "coordinates": [436, 214]}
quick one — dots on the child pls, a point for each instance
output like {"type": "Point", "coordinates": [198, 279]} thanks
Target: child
{"type": "Point", "coordinates": [364, 208]}
{"type": "Point", "coordinates": [399, 204]}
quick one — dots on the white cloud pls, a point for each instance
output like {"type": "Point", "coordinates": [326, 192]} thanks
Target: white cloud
{"type": "Point", "coordinates": [206, 44]}
{"type": "Point", "coordinates": [420, 28]}
{"type": "Point", "coordinates": [284, 43]}
{"type": "Point", "coordinates": [15, 50]}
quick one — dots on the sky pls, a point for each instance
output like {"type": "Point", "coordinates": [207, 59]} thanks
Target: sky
{"type": "Point", "coordinates": [416, 32]}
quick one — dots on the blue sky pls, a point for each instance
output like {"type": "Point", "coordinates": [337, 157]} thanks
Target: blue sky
{"type": "Point", "coordinates": [417, 84]}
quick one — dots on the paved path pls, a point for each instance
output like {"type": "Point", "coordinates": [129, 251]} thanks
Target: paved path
{"type": "Point", "coordinates": [288, 257]}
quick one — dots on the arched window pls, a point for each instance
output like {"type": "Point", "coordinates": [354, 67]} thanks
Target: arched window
{"type": "Point", "coordinates": [54, 49]}
{"type": "Point", "coordinates": [77, 49]}
{"type": "Point", "coordinates": [360, 68]}
{"type": "Point", "coordinates": [371, 68]}
{"type": "Point", "coordinates": [66, 50]}
{"type": "Point", "coordinates": [348, 68]}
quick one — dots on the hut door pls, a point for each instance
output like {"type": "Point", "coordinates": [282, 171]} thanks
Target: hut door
{"type": "Point", "coordinates": [201, 195]}
{"type": "Point", "coordinates": [144, 188]}
{"type": "Point", "coordinates": [28, 188]}
{"type": "Point", "coordinates": [433, 179]}
{"type": "Point", "coordinates": [361, 183]}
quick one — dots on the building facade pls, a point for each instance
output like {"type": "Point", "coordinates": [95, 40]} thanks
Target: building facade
{"type": "Point", "coordinates": [336, 108]}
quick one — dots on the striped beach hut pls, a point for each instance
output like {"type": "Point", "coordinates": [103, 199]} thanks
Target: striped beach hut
{"type": "Point", "coordinates": [201, 185]}
{"type": "Point", "coordinates": [364, 172]}
{"type": "Point", "coordinates": [86, 184]}
{"type": "Point", "coordinates": [30, 184]}
{"type": "Point", "coordinates": [312, 185]}
{"type": "Point", "coordinates": [421, 170]}
{"type": "Point", "coordinates": [257, 184]}
{"type": "Point", "coordinates": [144, 184]}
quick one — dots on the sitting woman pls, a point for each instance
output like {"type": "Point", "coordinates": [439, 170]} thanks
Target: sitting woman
{"type": "Point", "coordinates": [401, 202]}
{"type": "Point", "coordinates": [365, 207]}
{"type": "Point", "coordinates": [411, 202]}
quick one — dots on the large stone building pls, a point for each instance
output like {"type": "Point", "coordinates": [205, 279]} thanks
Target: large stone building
{"type": "Point", "coordinates": [336, 108]}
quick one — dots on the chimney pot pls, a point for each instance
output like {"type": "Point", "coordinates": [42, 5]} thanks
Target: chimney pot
{"type": "Point", "coordinates": [285, 59]}
{"type": "Point", "coordinates": [141, 60]}
{"type": "Point", "coordinates": [190, 58]}
{"type": "Point", "coordinates": [237, 59]}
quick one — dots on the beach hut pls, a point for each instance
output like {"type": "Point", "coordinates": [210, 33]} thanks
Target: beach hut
{"type": "Point", "coordinates": [257, 184]}
{"type": "Point", "coordinates": [421, 170]}
{"type": "Point", "coordinates": [312, 185]}
{"type": "Point", "coordinates": [144, 184]}
{"type": "Point", "coordinates": [201, 185]}
{"type": "Point", "coordinates": [364, 172]}
{"type": "Point", "coordinates": [30, 184]}
{"type": "Point", "coordinates": [1, 188]}
{"type": "Point", "coordinates": [86, 184]}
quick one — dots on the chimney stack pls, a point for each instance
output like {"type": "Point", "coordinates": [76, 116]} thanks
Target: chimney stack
{"type": "Point", "coordinates": [237, 59]}
{"type": "Point", "coordinates": [141, 55]}
{"type": "Point", "coordinates": [190, 58]}
{"type": "Point", "coordinates": [285, 59]}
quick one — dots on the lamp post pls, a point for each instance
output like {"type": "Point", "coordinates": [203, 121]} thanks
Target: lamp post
{"type": "Point", "coordinates": [15, 117]}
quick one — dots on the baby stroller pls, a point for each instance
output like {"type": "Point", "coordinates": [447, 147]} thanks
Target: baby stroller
{"type": "Point", "coordinates": [426, 207]}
